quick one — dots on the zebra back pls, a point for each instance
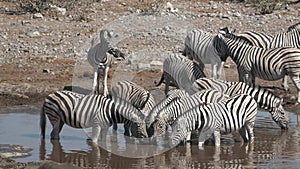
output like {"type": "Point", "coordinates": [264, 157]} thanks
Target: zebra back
{"type": "Point", "coordinates": [183, 71]}
{"type": "Point", "coordinates": [136, 95]}
{"type": "Point", "coordinates": [264, 98]}
{"type": "Point", "coordinates": [198, 46]}
{"type": "Point", "coordinates": [179, 106]}
{"type": "Point", "coordinates": [226, 116]}
{"type": "Point", "coordinates": [258, 39]}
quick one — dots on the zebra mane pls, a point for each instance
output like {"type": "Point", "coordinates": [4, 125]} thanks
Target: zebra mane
{"type": "Point", "coordinates": [133, 114]}
{"type": "Point", "coordinates": [294, 27]}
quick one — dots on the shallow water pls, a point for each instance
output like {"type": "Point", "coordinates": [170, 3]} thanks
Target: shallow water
{"type": "Point", "coordinates": [272, 147]}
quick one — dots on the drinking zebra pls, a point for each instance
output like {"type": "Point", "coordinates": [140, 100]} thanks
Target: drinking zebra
{"type": "Point", "coordinates": [137, 96]}
{"type": "Point", "coordinates": [198, 46]}
{"type": "Point", "coordinates": [264, 98]}
{"type": "Point", "coordinates": [98, 58]}
{"type": "Point", "coordinates": [83, 111]}
{"type": "Point", "coordinates": [266, 64]}
{"type": "Point", "coordinates": [181, 71]}
{"type": "Point", "coordinates": [179, 106]}
{"type": "Point", "coordinates": [172, 95]}
{"type": "Point", "coordinates": [224, 117]}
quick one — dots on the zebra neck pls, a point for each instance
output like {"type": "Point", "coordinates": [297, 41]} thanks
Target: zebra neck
{"type": "Point", "coordinates": [265, 99]}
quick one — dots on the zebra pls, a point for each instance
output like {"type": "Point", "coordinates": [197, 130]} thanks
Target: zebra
{"type": "Point", "coordinates": [198, 46]}
{"type": "Point", "coordinates": [181, 105]}
{"type": "Point", "coordinates": [284, 39]}
{"type": "Point", "coordinates": [171, 96]}
{"type": "Point", "coordinates": [180, 70]}
{"type": "Point", "coordinates": [266, 64]}
{"type": "Point", "coordinates": [224, 117]}
{"type": "Point", "coordinates": [136, 95]}
{"type": "Point", "coordinates": [264, 98]}
{"type": "Point", "coordinates": [83, 111]}
{"type": "Point", "coordinates": [98, 59]}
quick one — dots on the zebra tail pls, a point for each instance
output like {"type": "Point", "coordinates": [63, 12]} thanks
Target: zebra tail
{"type": "Point", "coordinates": [43, 123]}
{"type": "Point", "coordinates": [160, 81]}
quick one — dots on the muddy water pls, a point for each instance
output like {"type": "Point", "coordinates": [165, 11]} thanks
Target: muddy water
{"type": "Point", "coordinates": [272, 148]}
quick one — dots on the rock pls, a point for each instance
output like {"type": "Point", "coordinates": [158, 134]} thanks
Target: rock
{"type": "Point", "coordinates": [143, 66]}
{"type": "Point", "coordinates": [46, 70]}
{"type": "Point", "coordinates": [33, 34]}
{"type": "Point", "coordinates": [38, 16]}
{"type": "Point", "coordinates": [156, 63]}
{"type": "Point", "coordinates": [61, 11]}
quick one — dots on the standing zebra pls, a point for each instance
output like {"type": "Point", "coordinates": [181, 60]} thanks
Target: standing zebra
{"type": "Point", "coordinates": [198, 46]}
{"type": "Point", "coordinates": [136, 95]}
{"type": "Point", "coordinates": [98, 58]}
{"type": "Point", "coordinates": [224, 117]}
{"type": "Point", "coordinates": [264, 98]}
{"type": "Point", "coordinates": [181, 71]}
{"type": "Point", "coordinates": [291, 38]}
{"type": "Point", "coordinates": [179, 106]}
{"type": "Point", "coordinates": [83, 111]}
{"type": "Point", "coordinates": [266, 64]}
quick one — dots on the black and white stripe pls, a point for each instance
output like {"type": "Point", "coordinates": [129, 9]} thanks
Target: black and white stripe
{"type": "Point", "coordinates": [172, 95]}
{"type": "Point", "coordinates": [264, 98]}
{"type": "Point", "coordinates": [136, 95]}
{"type": "Point", "coordinates": [294, 27]}
{"type": "Point", "coordinates": [98, 58]}
{"type": "Point", "coordinates": [83, 111]}
{"type": "Point", "coordinates": [224, 117]}
{"type": "Point", "coordinates": [291, 38]}
{"type": "Point", "coordinates": [179, 106]}
{"type": "Point", "coordinates": [267, 64]}
{"type": "Point", "coordinates": [181, 71]}
{"type": "Point", "coordinates": [198, 46]}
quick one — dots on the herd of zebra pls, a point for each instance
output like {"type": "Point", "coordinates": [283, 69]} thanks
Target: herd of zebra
{"type": "Point", "coordinates": [210, 106]}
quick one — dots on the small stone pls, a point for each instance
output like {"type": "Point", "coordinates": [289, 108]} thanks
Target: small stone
{"type": "Point", "coordinates": [143, 66]}
{"type": "Point", "coordinates": [156, 63]}
{"type": "Point", "coordinates": [38, 16]}
{"type": "Point", "coordinates": [46, 70]}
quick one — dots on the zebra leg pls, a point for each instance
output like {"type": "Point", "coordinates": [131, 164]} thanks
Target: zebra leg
{"type": "Point", "coordinates": [217, 137]}
{"type": "Point", "coordinates": [95, 81]}
{"type": "Point", "coordinates": [105, 90]}
{"type": "Point", "coordinates": [127, 128]}
{"type": "Point", "coordinates": [188, 136]}
{"type": "Point", "coordinates": [95, 133]}
{"type": "Point", "coordinates": [167, 84]}
{"type": "Point", "coordinates": [284, 83]}
{"type": "Point", "coordinates": [296, 81]}
{"type": "Point", "coordinates": [203, 137]}
{"type": "Point", "coordinates": [243, 133]}
{"type": "Point", "coordinates": [57, 126]}
{"type": "Point", "coordinates": [219, 70]}
{"type": "Point", "coordinates": [214, 71]}
{"type": "Point", "coordinates": [249, 128]}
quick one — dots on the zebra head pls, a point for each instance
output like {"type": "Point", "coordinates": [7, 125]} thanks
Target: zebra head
{"type": "Point", "coordinates": [280, 116]}
{"type": "Point", "coordinates": [159, 127]}
{"type": "Point", "coordinates": [220, 45]}
{"type": "Point", "coordinates": [138, 130]}
{"type": "Point", "coordinates": [179, 131]}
